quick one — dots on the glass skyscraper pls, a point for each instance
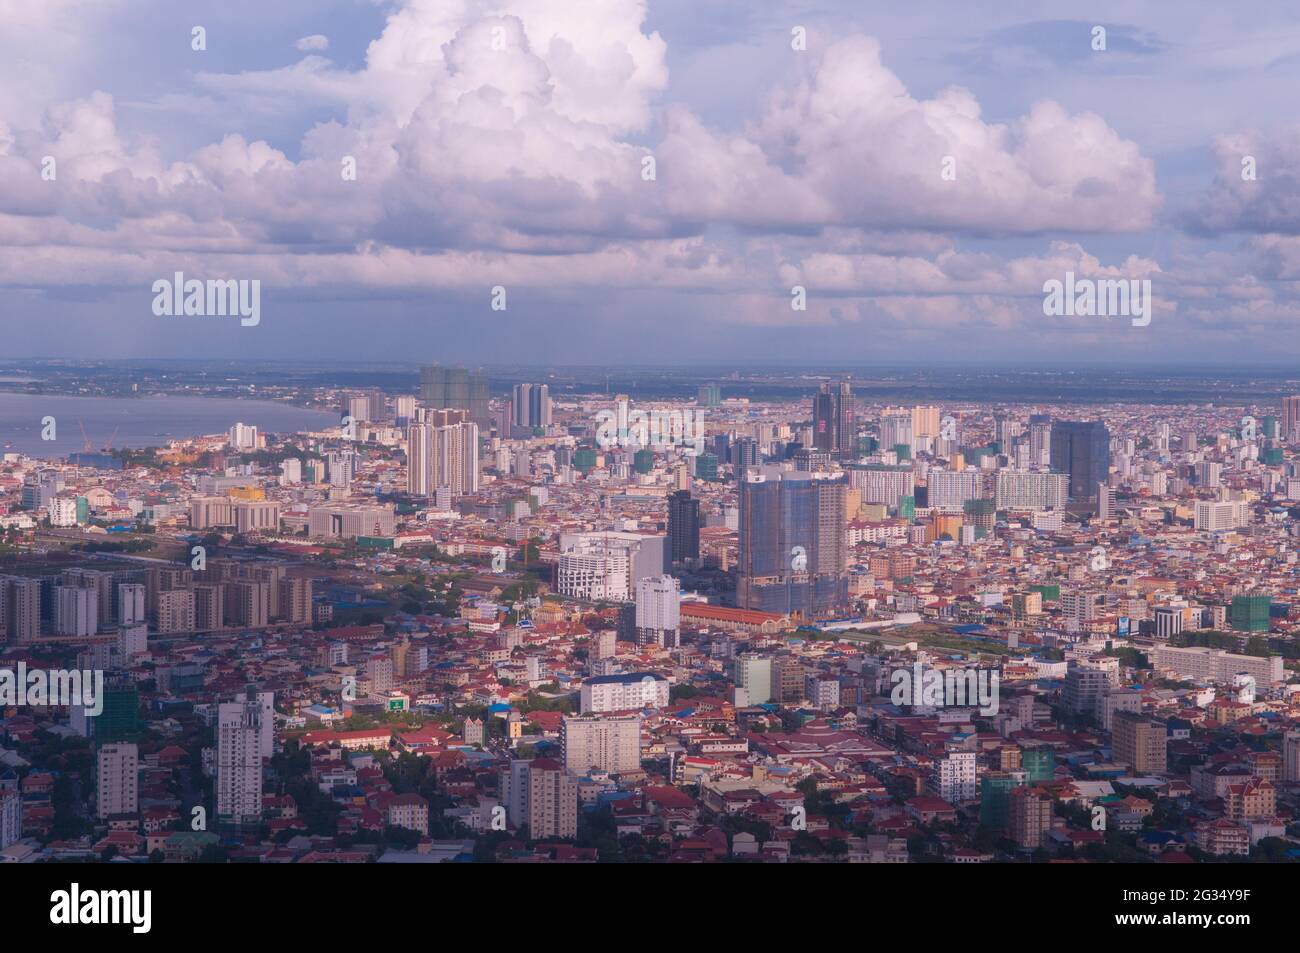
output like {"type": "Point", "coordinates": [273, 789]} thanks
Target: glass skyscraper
{"type": "Point", "coordinates": [834, 420]}
{"type": "Point", "coordinates": [792, 555]}
{"type": "Point", "coordinates": [683, 525]}
{"type": "Point", "coordinates": [1081, 449]}
{"type": "Point", "coordinates": [455, 388]}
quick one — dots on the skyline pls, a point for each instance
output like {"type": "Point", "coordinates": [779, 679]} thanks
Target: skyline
{"type": "Point", "coordinates": [998, 633]}
{"type": "Point", "coordinates": [816, 160]}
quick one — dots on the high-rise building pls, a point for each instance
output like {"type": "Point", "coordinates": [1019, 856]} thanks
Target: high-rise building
{"type": "Point", "coordinates": [834, 419]}
{"type": "Point", "coordinates": [896, 428]}
{"type": "Point", "coordinates": [350, 520]}
{"type": "Point", "coordinates": [753, 677]}
{"type": "Point", "coordinates": [76, 611]}
{"type": "Point", "coordinates": [1138, 742]}
{"type": "Point", "coordinates": [209, 606]}
{"type": "Point", "coordinates": [1291, 757]}
{"type": "Point", "coordinates": [605, 743]}
{"type": "Point", "coordinates": [1084, 683]}
{"type": "Point", "coordinates": [442, 456]}
{"type": "Point", "coordinates": [255, 516]}
{"type": "Point", "coordinates": [925, 421]}
{"type": "Point", "coordinates": [953, 776]}
{"type": "Point", "coordinates": [1081, 449]}
{"type": "Point", "coordinates": [243, 437]}
{"type": "Point", "coordinates": [709, 395]}
{"type": "Point", "coordinates": [552, 800]}
{"type": "Point", "coordinates": [513, 789]}
{"type": "Point", "coordinates": [101, 583]}
{"type": "Point", "coordinates": [604, 644]}
{"type": "Point", "coordinates": [1221, 516]}
{"type": "Point", "coordinates": [1040, 440]}
{"type": "Point", "coordinates": [20, 608]}
{"type": "Point", "coordinates": [823, 413]}
{"type": "Point", "coordinates": [883, 483]}
{"type": "Point", "coordinates": [176, 611]}
{"type": "Point", "coordinates": [792, 553]}
{"type": "Point", "coordinates": [357, 406]}
{"type": "Point", "coordinates": [623, 691]}
{"type": "Point", "coordinates": [1250, 612]}
{"type": "Point", "coordinates": [606, 565]}
{"type": "Point", "coordinates": [130, 604]}
{"type": "Point", "coordinates": [1290, 417]}
{"type": "Point", "coordinates": [812, 460]}
{"type": "Point", "coordinates": [788, 679]}
{"type": "Point", "coordinates": [403, 409]}
{"type": "Point", "coordinates": [443, 388]}
{"type": "Point", "coordinates": [520, 405]}
{"type": "Point", "coordinates": [951, 491]}
{"type": "Point", "coordinates": [207, 512]}
{"type": "Point", "coordinates": [1029, 490]}
{"type": "Point", "coordinates": [995, 798]}
{"type": "Point", "coordinates": [11, 818]}
{"type": "Point", "coordinates": [530, 406]}
{"type": "Point", "coordinates": [247, 603]}
{"type": "Point", "coordinates": [683, 526]}
{"type": "Point", "coordinates": [658, 611]}
{"type": "Point", "coordinates": [295, 600]}
{"type": "Point", "coordinates": [595, 573]}
{"type": "Point", "coordinates": [1029, 817]}
{"type": "Point", "coordinates": [706, 467]}
{"type": "Point", "coordinates": [239, 762]}
{"type": "Point", "coordinates": [1169, 621]}
{"type": "Point", "coordinates": [119, 721]}
{"type": "Point", "coordinates": [1106, 504]}
{"type": "Point", "coordinates": [117, 780]}
{"type": "Point", "coordinates": [744, 453]}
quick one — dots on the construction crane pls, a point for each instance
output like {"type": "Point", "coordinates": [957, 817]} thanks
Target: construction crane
{"type": "Point", "coordinates": [86, 445]}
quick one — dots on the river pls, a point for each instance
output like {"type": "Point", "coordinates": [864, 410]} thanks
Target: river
{"type": "Point", "coordinates": [138, 422]}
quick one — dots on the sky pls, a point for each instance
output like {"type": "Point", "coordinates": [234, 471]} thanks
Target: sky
{"type": "Point", "coordinates": [650, 182]}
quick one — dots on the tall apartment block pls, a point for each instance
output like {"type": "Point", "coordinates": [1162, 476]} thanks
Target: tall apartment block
{"type": "Point", "coordinates": [1139, 742]}
{"type": "Point", "coordinates": [611, 744]}
{"type": "Point", "coordinates": [792, 554]}
{"type": "Point", "coordinates": [239, 762]}
{"type": "Point", "coordinates": [117, 780]}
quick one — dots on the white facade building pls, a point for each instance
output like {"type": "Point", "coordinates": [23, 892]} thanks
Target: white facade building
{"type": "Point", "coordinates": [1220, 517]}
{"type": "Point", "coordinates": [117, 780]}
{"type": "Point", "coordinates": [239, 761]}
{"type": "Point", "coordinates": [76, 610]}
{"type": "Point", "coordinates": [624, 692]}
{"type": "Point", "coordinates": [954, 776]}
{"type": "Point", "coordinates": [610, 744]}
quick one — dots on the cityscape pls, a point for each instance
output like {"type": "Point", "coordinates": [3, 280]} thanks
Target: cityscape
{"type": "Point", "coordinates": [473, 620]}
{"type": "Point", "coordinates": [454, 434]}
